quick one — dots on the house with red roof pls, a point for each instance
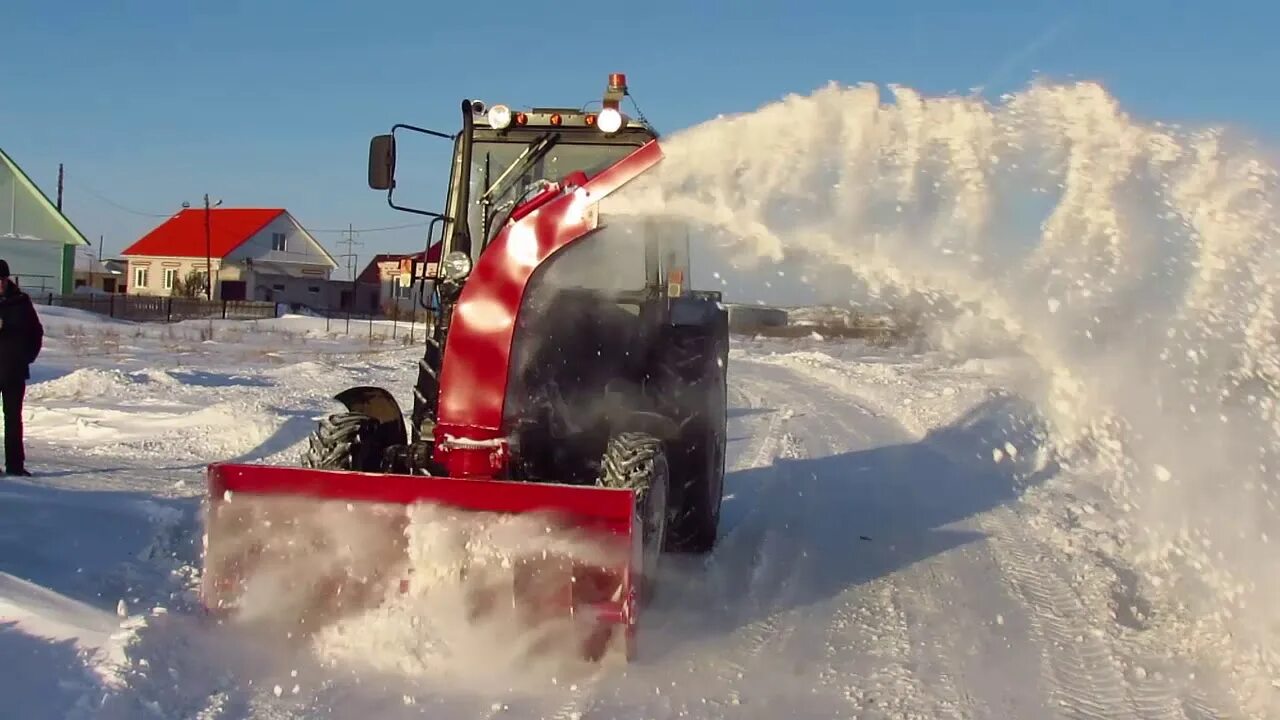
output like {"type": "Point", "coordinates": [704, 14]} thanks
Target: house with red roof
{"type": "Point", "coordinates": [379, 286]}
{"type": "Point", "coordinates": [255, 254]}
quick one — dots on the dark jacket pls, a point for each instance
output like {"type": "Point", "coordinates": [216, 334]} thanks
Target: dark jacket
{"type": "Point", "coordinates": [21, 336]}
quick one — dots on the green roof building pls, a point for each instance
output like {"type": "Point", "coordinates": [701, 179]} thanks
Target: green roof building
{"type": "Point", "coordinates": [35, 237]}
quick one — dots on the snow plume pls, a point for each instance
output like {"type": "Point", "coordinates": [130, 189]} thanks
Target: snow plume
{"type": "Point", "coordinates": [1137, 264]}
{"type": "Point", "coordinates": [421, 592]}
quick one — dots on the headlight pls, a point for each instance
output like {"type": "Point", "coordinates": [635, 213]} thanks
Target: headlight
{"type": "Point", "coordinates": [499, 117]}
{"type": "Point", "coordinates": [609, 120]}
{"type": "Point", "coordinates": [456, 265]}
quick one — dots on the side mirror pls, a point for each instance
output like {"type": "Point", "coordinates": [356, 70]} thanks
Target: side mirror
{"type": "Point", "coordinates": [382, 162]}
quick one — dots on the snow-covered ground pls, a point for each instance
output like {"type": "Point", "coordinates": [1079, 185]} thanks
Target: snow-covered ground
{"type": "Point", "coordinates": [1059, 500]}
{"type": "Point", "coordinates": [890, 547]}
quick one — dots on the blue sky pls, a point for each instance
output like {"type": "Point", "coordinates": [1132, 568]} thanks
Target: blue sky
{"type": "Point", "coordinates": [271, 103]}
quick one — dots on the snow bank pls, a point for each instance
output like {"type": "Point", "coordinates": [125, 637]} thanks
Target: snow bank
{"type": "Point", "coordinates": [47, 642]}
{"type": "Point", "coordinates": [73, 564]}
{"type": "Point", "coordinates": [42, 613]}
{"type": "Point", "coordinates": [1135, 265]}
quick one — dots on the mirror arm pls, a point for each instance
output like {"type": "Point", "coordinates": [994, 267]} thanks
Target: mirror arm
{"type": "Point", "coordinates": [415, 211]}
{"type": "Point", "coordinates": [392, 184]}
{"type": "Point", "coordinates": [424, 131]}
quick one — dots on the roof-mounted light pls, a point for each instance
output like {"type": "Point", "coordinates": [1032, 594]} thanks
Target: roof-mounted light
{"type": "Point", "coordinates": [499, 117]}
{"type": "Point", "coordinates": [610, 120]}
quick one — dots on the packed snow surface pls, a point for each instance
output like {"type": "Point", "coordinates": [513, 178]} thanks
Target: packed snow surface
{"type": "Point", "coordinates": [1058, 501]}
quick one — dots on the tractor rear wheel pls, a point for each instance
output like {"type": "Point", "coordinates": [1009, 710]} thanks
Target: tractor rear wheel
{"type": "Point", "coordinates": [344, 441]}
{"type": "Point", "coordinates": [637, 461]}
{"type": "Point", "coordinates": [698, 384]}
{"type": "Point", "coordinates": [696, 528]}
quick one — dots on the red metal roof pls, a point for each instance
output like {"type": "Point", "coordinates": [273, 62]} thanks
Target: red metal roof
{"type": "Point", "coordinates": [183, 234]}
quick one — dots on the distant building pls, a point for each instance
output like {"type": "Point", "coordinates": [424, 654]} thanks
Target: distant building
{"type": "Point", "coordinates": [747, 318]}
{"type": "Point", "coordinates": [256, 253]}
{"type": "Point", "coordinates": [37, 240]}
{"type": "Point", "coordinates": [379, 287]}
{"type": "Point", "coordinates": [103, 276]}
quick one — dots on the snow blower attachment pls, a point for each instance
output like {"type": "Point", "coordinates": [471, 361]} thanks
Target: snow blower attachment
{"type": "Point", "coordinates": [571, 382]}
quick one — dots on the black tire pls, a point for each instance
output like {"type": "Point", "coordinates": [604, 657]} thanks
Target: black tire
{"type": "Point", "coordinates": [344, 441]}
{"type": "Point", "coordinates": [700, 472]}
{"type": "Point", "coordinates": [695, 529]}
{"type": "Point", "coordinates": [637, 461]}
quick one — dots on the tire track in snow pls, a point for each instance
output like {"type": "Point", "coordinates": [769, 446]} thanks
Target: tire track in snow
{"type": "Point", "coordinates": [778, 563]}
{"type": "Point", "coordinates": [764, 444]}
{"type": "Point", "coordinates": [774, 443]}
{"type": "Point", "coordinates": [869, 620]}
{"type": "Point", "coordinates": [767, 559]}
{"type": "Point", "coordinates": [889, 613]}
{"type": "Point", "coordinates": [911, 605]}
{"type": "Point", "coordinates": [1086, 680]}
{"type": "Point", "coordinates": [1149, 694]}
{"type": "Point", "coordinates": [837, 638]}
{"type": "Point", "coordinates": [936, 655]}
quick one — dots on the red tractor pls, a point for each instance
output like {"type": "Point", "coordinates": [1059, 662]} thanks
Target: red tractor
{"type": "Point", "coordinates": [570, 369]}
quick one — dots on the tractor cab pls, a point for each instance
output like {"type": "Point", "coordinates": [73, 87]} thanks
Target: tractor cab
{"type": "Point", "coordinates": [507, 161]}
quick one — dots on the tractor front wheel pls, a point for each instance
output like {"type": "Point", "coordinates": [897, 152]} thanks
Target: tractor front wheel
{"type": "Point", "coordinates": [637, 461]}
{"type": "Point", "coordinates": [344, 441]}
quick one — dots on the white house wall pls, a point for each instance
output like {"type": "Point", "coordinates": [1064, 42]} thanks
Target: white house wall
{"type": "Point", "coordinates": [155, 271]}
{"type": "Point", "coordinates": [299, 248]}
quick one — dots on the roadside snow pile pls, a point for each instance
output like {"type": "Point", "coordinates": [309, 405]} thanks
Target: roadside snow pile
{"type": "Point", "coordinates": [51, 640]}
{"type": "Point", "coordinates": [1135, 265]}
{"type": "Point", "coordinates": [183, 393]}
{"type": "Point", "coordinates": [109, 412]}
{"type": "Point", "coordinates": [86, 383]}
{"type": "Point", "coordinates": [75, 564]}
{"type": "Point", "coordinates": [60, 321]}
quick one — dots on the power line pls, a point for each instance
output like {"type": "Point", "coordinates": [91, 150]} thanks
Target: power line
{"type": "Point", "coordinates": [132, 211]}
{"type": "Point", "coordinates": [114, 204]}
{"type": "Point", "coordinates": [366, 230]}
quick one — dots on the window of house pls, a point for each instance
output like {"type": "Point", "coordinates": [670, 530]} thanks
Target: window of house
{"type": "Point", "coordinates": [398, 290]}
{"type": "Point", "coordinates": [278, 287]}
{"type": "Point", "coordinates": [278, 241]}
{"type": "Point", "coordinates": [140, 277]}
{"type": "Point", "coordinates": [313, 289]}
{"type": "Point", "coordinates": [170, 277]}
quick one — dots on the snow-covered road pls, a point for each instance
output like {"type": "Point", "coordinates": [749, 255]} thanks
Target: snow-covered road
{"type": "Point", "coordinates": [878, 557]}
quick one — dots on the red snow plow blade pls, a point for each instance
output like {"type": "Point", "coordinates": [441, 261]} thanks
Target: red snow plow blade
{"type": "Point", "coordinates": [310, 547]}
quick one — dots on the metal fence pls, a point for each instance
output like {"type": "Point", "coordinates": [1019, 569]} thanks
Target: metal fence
{"type": "Point", "coordinates": [140, 308]}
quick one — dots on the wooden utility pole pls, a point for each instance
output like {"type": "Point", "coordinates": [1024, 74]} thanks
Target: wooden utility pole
{"type": "Point", "coordinates": [208, 253]}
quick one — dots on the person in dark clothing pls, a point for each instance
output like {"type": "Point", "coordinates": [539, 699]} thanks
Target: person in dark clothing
{"type": "Point", "coordinates": [21, 338]}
